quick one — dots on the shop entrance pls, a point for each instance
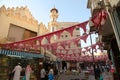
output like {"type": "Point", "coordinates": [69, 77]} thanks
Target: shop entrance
{"type": "Point", "coordinates": [7, 64]}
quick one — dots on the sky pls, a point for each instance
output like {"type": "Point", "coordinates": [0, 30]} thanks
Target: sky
{"type": "Point", "coordinates": [69, 10]}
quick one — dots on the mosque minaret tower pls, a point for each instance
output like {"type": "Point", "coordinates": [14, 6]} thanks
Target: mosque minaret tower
{"type": "Point", "coordinates": [53, 23]}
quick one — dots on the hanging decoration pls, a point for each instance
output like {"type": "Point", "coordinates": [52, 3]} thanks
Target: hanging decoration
{"type": "Point", "coordinates": [99, 19]}
{"type": "Point", "coordinates": [78, 56]}
{"type": "Point", "coordinates": [83, 26]}
{"type": "Point", "coordinates": [35, 43]}
{"type": "Point", "coordinates": [102, 15]}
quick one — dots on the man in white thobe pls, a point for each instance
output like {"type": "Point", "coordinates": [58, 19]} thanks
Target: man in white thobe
{"type": "Point", "coordinates": [43, 73]}
{"type": "Point", "coordinates": [17, 71]}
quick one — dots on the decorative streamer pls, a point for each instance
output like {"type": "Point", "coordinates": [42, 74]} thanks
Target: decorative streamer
{"type": "Point", "coordinates": [98, 20]}
{"type": "Point", "coordinates": [70, 30]}
{"type": "Point", "coordinates": [83, 25]}
{"type": "Point", "coordinates": [84, 37]}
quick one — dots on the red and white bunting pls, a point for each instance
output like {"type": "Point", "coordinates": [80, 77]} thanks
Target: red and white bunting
{"type": "Point", "coordinates": [70, 30]}
{"type": "Point", "coordinates": [84, 37]}
{"type": "Point", "coordinates": [83, 25]}
{"type": "Point", "coordinates": [98, 20]}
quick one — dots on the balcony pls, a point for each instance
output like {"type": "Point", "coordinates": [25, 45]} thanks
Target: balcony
{"type": "Point", "coordinates": [94, 5]}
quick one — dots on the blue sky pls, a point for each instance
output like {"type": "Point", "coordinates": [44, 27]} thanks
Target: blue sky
{"type": "Point", "coordinates": [69, 10]}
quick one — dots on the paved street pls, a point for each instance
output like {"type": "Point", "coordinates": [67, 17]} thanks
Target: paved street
{"type": "Point", "coordinates": [81, 76]}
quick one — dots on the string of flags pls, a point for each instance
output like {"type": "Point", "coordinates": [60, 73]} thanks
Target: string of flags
{"type": "Point", "coordinates": [36, 42]}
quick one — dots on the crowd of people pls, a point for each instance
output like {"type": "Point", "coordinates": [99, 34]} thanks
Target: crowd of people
{"type": "Point", "coordinates": [99, 69]}
{"type": "Point", "coordinates": [19, 73]}
{"type": "Point", "coordinates": [50, 74]}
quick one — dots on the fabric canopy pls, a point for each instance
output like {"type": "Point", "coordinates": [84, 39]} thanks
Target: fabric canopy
{"type": "Point", "coordinates": [20, 54]}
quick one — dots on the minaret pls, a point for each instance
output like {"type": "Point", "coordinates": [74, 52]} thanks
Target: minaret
{"type": "Point", "coordinates": [53, 23]}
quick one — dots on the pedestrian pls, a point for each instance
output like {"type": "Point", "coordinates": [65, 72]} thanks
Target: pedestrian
{"type": "Point", "coordinates": [42, 73]}
{"type": "Point", "coordinates": [46, 76]}
{"type": "Point", "coordinates": [101, 77]}
{"type": "Point", "coordinates": [55, 72]}
{"type": "Point", "coordinates": [50, 75]}
{"type": "Point", "coordinates": [17, 71]}
{"type": "Point", "coordinates": [28, 72]}
{"type": "Point", "coordinates": [97, 72]}
{"type": "Point", "coordinates": [23, 74]}
{"type": "Point", "coordinates": [112, 69]}
{"type": "Point", "coordinates": [51, 70]}
{"type": "Point", "coordinates": [79, 69]}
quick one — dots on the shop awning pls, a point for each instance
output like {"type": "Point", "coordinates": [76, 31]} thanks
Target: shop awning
{"type": "Point", "coordinates": [20, 54]}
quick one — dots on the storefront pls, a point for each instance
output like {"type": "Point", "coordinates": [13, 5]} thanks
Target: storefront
{"type": "Point", "coordinates": [9, 59]}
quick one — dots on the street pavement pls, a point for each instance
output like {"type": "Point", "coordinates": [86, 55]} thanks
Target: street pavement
{"type": "Point", "coordinates": [81, 76]}
{"type": "Point", "coordinates": [107, 76]}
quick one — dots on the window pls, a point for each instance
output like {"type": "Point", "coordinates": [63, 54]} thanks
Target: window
{"type": "Point", "coordinates": [79, 45]}
{"type": "Point", "coordinates": [77, 35]}
{"type": "Point", "coordinates": [66, 35]}
{"type": "Point", "coordinates": [62, 36]}
{"type": "Point", "coordinates": [77, 28]}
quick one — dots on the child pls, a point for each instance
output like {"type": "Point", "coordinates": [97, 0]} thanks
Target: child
{"type": "Point", "coordinates": [50, 76]}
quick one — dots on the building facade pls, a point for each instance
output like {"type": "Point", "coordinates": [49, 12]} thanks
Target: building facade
{"type": "Point", "coordinates": [17, 24]}
{"type": "Point", "coordinates": [55, 25]}
{"type": "Point", "coordinates": [109, 34]}
{"type": "Point", "coordinates": [20, 21]}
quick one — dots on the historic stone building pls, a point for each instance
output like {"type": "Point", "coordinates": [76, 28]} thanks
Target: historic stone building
{"type": "Point", "coordinates": [19, 24]}
{"type": "Point", "coordinates": [55, 25]}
